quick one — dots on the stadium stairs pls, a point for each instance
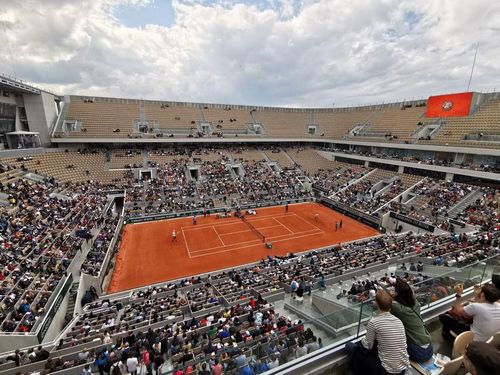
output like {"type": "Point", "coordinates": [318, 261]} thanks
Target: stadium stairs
{"type": "Point", "coordinates": [466, 201]}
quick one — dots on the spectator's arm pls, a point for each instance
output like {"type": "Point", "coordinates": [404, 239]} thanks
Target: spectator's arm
{"type": "Point", "coordinates": [459, 309]}
{"type": "Point", "coordinates": [370, 336]}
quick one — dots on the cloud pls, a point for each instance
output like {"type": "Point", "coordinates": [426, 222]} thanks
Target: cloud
{"type": "Point", "coordinates": [268, 52]}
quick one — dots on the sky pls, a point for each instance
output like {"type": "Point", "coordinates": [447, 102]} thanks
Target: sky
{"type": "Point", "coordinates": [294, 53]}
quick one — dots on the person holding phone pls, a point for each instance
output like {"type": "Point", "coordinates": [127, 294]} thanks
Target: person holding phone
{"type": "Point", "coordinates": [483, 313]}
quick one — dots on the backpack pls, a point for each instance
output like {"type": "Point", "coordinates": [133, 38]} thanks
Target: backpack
{"type": "Point", "coordinates": [115, 369]}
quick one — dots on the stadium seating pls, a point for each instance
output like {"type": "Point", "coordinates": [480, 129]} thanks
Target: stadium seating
{"type": "Point", "coordinates": [393, 122]}
{"type": "Point", "coordinates": [102, 117]}
{"type": "Point", "coordinates": [126, 159]}
{"type": "Point", "coordinates": [69, 166]}
{"type": "Point", "coordinates": [233, 301]}
{"type": "Point", "coordinates": [228, 119]}
{"type": "Point", "coordinates": [37, 255]}
{"type": "Point", "coordinates": [485, 121]}
{"type": "Point", "coordinates": [280, 157]}
{"type": "Point", "coordinates": [292, 123]}
{"type": "Point", "coordinates": [172, 118]}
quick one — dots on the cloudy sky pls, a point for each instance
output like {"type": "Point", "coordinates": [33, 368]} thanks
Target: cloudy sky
{"type": "Point", "coordinates": [264, 52]}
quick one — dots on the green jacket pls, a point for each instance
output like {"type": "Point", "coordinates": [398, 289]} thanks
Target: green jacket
{"type": "Point", "coordinates": [415, 329]}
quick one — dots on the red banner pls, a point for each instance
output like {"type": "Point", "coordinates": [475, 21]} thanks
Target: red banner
{"type": "Point", "coordinates": [449, 105]}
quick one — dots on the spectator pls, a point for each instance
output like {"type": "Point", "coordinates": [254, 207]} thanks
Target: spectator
{"type": "Point", "coordinates": [132, 363]}
{"type": "Point", "coordinates": [217, 368]}
{"type": "Point", "coordinates": [314, 345]}
{"type": "Point", "coordinates": [483, 313]}
{"type": "Point", "coordinates": [273, 362]}
{"type": "Point", "coordinates": [16, 358]}
{"type": "Point", "coordinates": [406, 307]}
{"type": "Point", "coordinates": [102, 362]}
{"type": "Point", "coordinates": [388, 332]}
{"type": "Point", "coordinates": [204, 369]}
{"type": "Point", "coordinates": [86, 370]}
{"type": "Point", "coordinates": [482, 359]}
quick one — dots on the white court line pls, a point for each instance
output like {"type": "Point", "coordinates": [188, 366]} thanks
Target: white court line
{"type": "Point", "coordinates": [240, 231]}
{"type": "Point", "coordinates": [305, 221]}
{"type": "Point", "coordinates": [271, 226]}
{"type": "Point", "coordinates": [220, 239]}
{"type": "Point", "coordinates": [275, 218]}
{"type": "Point", "coordinates": [248, 230]}
{"type": "Point", "coordinates": [202, 226]}
{"type": "Point", "coordinates": [242, 247]}
{"type": "Point", "coordinates": [256, 241]}
{"type": "Point", "coordinates": [243, 242]}
{"type": "Point", "coordinates": [269, 216]}
{"type": "Point", "coordinates": [253, 242]}
{"type": "Point", "coordinates": [288, 229]}
{"type": "Point", "coordinates": [280, 224]}
{"type": "Point", "coordinates": [294, 237]}
{"type": "Point", "coordinates": [234, 220]}
{"type": "Point", "coordinates": [315, 231]}
{"type": "Point", "coordinates": [186, 243]}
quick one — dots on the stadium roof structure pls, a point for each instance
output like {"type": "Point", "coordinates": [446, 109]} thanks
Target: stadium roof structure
{"type": "Point", "coordinates": [19, 86]}
{"type": "Point", "coordinates": [22, 132]}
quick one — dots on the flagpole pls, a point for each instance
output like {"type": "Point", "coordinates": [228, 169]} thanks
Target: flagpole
{"type": "Point", "coordinates": [473, 64]}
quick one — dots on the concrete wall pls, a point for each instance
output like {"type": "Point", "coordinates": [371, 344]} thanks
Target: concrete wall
{"type": "Point", "coordinates": [86, 281]}
{"type": "Point", "coordinates": [41, 112]}
{"type": "Point", "coordinates": [58, 321]}
{"type": "Point", "coordinates": [9, 342]}
{"type": "Point", "coordinates": [390, 224]}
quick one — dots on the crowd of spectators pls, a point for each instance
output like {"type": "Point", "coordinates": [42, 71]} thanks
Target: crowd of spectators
{"type": "Point", "coordinates": [484, 212]}
{"type": "Point", "coordinates": [248, 332]}
{"type": "Point", "coordinates": [107, 228]}
{"type": "Point", "coordinates": [39, 238]}
{"type": "Point", "coordinates": [173, 190]}
{"type": "Point", "coordinates": [331, 181]}
{"type": "Point", "coordinates": [213, 183]}
{"type": "Point", "coordinates": [248, 335]}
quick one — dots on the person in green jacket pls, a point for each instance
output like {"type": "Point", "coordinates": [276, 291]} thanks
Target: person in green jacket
{"type": "Point", "coordinates": [406, 307]}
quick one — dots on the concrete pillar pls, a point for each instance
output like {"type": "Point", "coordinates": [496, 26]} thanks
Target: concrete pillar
{"type": "Point", "coordinates": [449, 176]}
{"type": "Point", "coordinates": [367, 163]}
{"type": "Point", "coordinates": [401, 169]}
{"type": "Point", "coordinates": [458, 158]}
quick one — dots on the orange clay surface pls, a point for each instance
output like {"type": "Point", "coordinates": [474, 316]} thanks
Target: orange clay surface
{"type": "Point", "coordinates": [148, 255]}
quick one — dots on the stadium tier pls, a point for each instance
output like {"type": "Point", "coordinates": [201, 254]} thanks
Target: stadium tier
{"type": "Point", "coordinates": [403, 122]}
{"type": "Point", "coordinates": [242, 238]}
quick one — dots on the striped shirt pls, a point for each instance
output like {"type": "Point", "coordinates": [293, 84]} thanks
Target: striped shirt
{"type": "Point", "coordinates": [389, 333]}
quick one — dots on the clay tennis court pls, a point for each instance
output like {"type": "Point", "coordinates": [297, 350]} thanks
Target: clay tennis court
{"type": "Point", "coordinates": [148, 254]}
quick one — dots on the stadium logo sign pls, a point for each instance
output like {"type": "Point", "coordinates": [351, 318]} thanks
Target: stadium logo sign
{"type": "Point", "coordinates": [447, 105]}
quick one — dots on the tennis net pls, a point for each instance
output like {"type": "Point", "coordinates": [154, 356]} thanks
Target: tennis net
{"type": "Point", "coordinates": [260, 235]}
